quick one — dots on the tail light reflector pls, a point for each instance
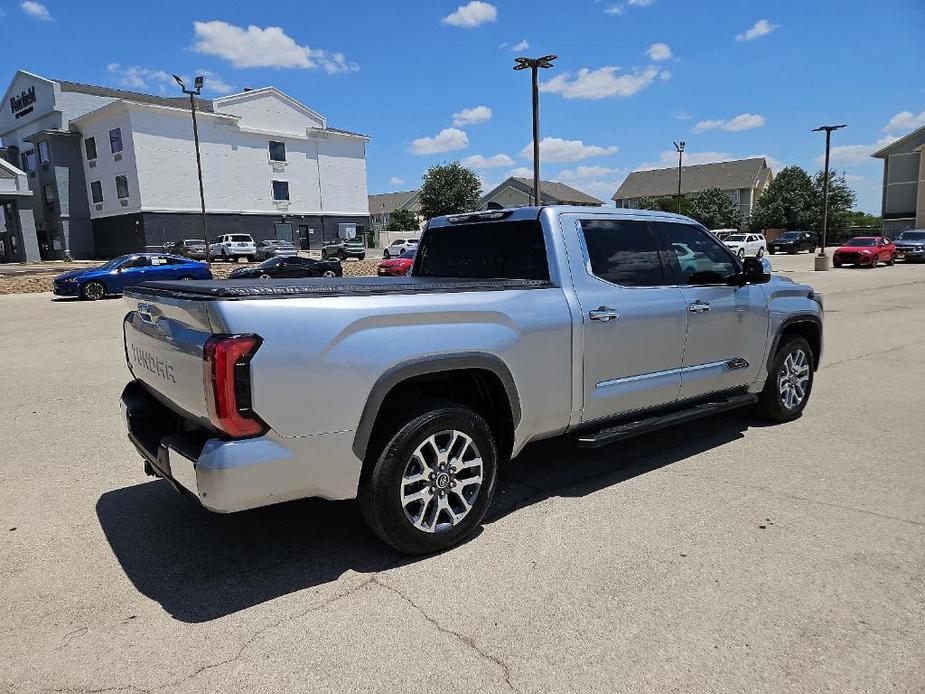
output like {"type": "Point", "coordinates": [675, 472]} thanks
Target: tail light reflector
{"type": "Point", "coordinates": [227, 380]}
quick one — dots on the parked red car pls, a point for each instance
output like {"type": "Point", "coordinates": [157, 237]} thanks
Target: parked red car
{"type": "Point", "coordinates": [396, 266]}
{"type": "Point", "coordinates": [866, 251]}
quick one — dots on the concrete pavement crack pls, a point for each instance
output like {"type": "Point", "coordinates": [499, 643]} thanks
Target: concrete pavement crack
{"type": "Point", "coordinates": [467, 640]}
{"type": "Point", "coordinates": [826, 365]}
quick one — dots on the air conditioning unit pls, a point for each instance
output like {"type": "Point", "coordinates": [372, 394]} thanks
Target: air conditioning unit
{"type": "Point", "coordinates": [279, 167]}
{"type": "Point", "coordinates": [118, 156]}
{"type": "Point", "coordinates": [92, 164]}
{"type": "Point", "coordinates": [124, 203]}
{"type": "Point", "coordinates": [98, 206]}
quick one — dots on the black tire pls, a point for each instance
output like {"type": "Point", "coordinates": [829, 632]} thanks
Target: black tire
{"type": "Point", "coordinates": [760, 253]}
{"type": "Point", "coordinates": [93, 291]}
{"type": "Point", "coordinates": [380, 492]}
{"type": "Point", "coordinates": [185, 278]}
{"type": "Point", "coordinates": [836, 263]}
{"type": "Point", "coordinates": [873, 263]}
{"type": "Point", "coordinates": [742, 253]}
{"type": "Point", "coordinates": [771, 403]}
{"type": "Point", "coordinates": [224, 256]}
{"type": "Point", "coordinates": [891, 261]}
{"type": "Point", "coordinates": [363, 257]}
{"type": "Point", "coordinates": [385, 254]}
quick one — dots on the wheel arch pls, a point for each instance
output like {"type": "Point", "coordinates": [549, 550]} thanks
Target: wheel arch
{"type": "Point", "coordinates": [808, 326]}
{"type": "Point", "coordinates": [478, 380]}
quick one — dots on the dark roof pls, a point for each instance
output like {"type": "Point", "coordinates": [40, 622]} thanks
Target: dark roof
{"type": "Point", "coordinates": [389, 202]}
{"type": "Point", "coordinates": [917, 136]}
{"type": "Point", "coordinates": [551, 192]}
{"type": "Point", "coordinates": [726, 175]}
{"type": "Point", "coordinates": [138, 97]}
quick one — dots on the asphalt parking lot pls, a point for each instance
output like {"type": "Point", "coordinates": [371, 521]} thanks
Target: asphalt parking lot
{"type": "Point", "coordinates": [721, 556]}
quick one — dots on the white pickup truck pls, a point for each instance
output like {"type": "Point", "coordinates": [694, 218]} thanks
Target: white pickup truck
{"type": "Point", "coordinates": [515, 325]}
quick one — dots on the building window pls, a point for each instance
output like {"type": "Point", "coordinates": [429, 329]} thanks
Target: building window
{"type": "Point", "coordinates": [277, 151]}
{"type": "Point", "coordinates": [44, 155]}
{"type": "Point", "coordinates": [90, 147]}
{"type": "Point", "coordinates": [49, 191]}
{"type": "Point", "coordinates": [121, 187]}
{"type": "Point", "coordinates": [115, 140]}
{"type": "Point", "coordinates": [733, 195]}
{"type": "Point", "coordinates": [96, 192]}
{"type": "Point", "coordinates": [280, 190]}
{"type": "Point", "coordinates": [28, 160]}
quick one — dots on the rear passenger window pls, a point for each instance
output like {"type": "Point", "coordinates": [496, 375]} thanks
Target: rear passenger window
{"type": "Point", "coordinates": [700, 258]}
{"type": "Point", "coordinates": [624, 252]}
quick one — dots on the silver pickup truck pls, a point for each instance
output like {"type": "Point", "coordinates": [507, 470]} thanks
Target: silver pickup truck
{"type": "Point", "coordinates": [407, 393]}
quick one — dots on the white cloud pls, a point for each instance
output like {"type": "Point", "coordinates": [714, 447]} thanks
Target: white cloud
{"type": "Point", "coordinates": [905, 121]}
{"type": "Point", "coordinates": [471, 116]}
{"type": "Point", "coordinates": [614, 10]}
{"type": "Point", "coordinates": [214, 83]}
{"type": "Point", "coordinates": [479, 161]}
{"type": "Point", "coordinates": [641, 3]}
{"type": "Point", "coordinates": [555, 149]}
{"type": "Point", "coordinates": [586, 172]}
{"type": "Point", "coordinates": [269, 47]}
{"type": "Point", "coordinates": [659, 52]}
{"type": "Point", "coordinates": [447, 140]}
{"type": "Point", "coordinates": [600, 83]}
{"type": "Point", "coordinates": [36, 10]}
{"type": "Point", "coordinates": [744, 121]}
{"type": "Point", "coordinates": [521, 172]}
{"type": "Point", "coordinates": [683, 115]}
{"type": "Point", "coordinates": [760, 28]}
{"type": "Point", "coordinates": [855, 154]}
{"type": "Point", "coordinates": [520, 46]}
{"type": "Point", "coordinates": [396, 181]}
{"type": "Point", "coordinates": [472, 15]}
{"type": "Point", "coordinates": [137, 77]}
{"type": "Point", "coordinates": [669, 159]}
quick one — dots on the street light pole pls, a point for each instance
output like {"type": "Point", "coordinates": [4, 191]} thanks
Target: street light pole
{"type": "Point", "coordinates": [535, 64]}
{"type": "Point", "coordinates": [822, 260]}
{"type": "Point", "coordinates": [680, 147]}
{"type": "Point", "coordinates": [198, 82]}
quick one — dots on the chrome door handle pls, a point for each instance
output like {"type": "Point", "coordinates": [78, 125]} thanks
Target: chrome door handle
{"type": "Point", "coordinates": [603, 313]}
{"type": "Point", "coordinates": [699, 307]}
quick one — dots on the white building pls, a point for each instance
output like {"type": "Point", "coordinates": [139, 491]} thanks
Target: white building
{"type": "Point", "coordinates": [115, 171]}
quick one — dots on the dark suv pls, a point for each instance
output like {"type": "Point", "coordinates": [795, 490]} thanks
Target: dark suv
{"type": "Point", "coordinates": [793, 242]}
{"type": "Point", "coordinates": [343, 249]}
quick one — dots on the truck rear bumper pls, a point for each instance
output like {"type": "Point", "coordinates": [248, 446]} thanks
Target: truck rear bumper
{"type": "Point", "coordinates": [234, 475]}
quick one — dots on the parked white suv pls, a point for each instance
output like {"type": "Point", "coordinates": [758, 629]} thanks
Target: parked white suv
{"type": "Point", "coordinates": [747, 244]}
{"type": "Point", "coordinates": [233, 246]}
{"type": "Point", "coordinates": [399, 246]}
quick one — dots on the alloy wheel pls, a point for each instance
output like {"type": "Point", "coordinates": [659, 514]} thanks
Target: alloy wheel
{"type": "Point", "coordinates": [94, 291]}
{"type": "Point", "coordinates": [793, 379]}
{"type": "Point", "coordinates": [441, 481]}
{"type": "Point", "coordinates": [328, 273]}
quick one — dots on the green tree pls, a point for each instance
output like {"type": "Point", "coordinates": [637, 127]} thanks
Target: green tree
{"type": "Point", "coordinates": [715, 209]}
{"type": "Point", "coordinates": [402, 220]}
{"type": "Point", "coordinates": [449, 189]}
{"type": "Point", "coordinates": [789, 202]}
{"type": "Point", "coordinates": [841, 200]}
{"type": "Point", "coordinates": [665, 203]}
{"type": "Point", "coordinates": [856, 218]}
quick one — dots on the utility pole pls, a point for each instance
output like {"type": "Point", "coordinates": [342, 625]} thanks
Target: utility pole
{"type": "Point", "coordinates": [199, 81]}
{"type": "Point", "coordinates": [822, 260]}
{"type": "Point", "coordinates": [680, 147]}
{"type": "Point", "coordinates": [534, 64]}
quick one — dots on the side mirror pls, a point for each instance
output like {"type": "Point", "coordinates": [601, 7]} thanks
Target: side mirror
{"type": "Point", "coordinates": [756, 270]}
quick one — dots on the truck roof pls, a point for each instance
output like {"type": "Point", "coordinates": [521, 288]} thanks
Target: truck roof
{"type": "Point", "coordinates": [534, 212]}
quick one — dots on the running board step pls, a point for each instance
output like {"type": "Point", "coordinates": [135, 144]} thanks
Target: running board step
{"type": "Point", "coordinates": [641, 426]}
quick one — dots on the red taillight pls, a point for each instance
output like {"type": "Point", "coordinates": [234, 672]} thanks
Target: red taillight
{"type": "Point", "coordinates": [227, 379]}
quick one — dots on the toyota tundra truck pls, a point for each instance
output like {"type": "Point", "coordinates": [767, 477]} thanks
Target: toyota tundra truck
{"type": "Point", "coordinates": [407, 393]}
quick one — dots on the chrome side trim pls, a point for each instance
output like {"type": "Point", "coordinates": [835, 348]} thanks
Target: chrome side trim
{"type": "Point", "coordinates": [669, 372]}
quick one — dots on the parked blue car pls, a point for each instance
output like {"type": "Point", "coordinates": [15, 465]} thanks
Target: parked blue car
{"type": "Point", "coordinates": [126, 271]}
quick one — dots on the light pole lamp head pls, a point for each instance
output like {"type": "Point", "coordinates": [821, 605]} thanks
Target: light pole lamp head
{"type": "Point", "coordinates": [679, 146]}
{"type": "Point", "coordinates": [522, 63]}
{"type": "Point", "coordinates": [180, 81]}
{"type": "Point", "coordinates": [198, 82]}
{"type": "Point", "coordinates": [526, 63]}
{"type": "Point", "coordinates": [829, 128]}
{"type": "Point", "coordinates": [546, 61]}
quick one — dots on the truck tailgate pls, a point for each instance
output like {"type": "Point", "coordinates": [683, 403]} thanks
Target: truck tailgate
{"type": "Point", "coordinates": [164, 341]}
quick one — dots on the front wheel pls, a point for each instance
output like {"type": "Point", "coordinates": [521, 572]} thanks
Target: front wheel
{"type": "Point", "coordinates": [760, 253]}
{"type": "Point", "coordinates": [790, 381]}
{"type": "Point", "coordinates": [432, 482]}
{"type": "Point", "coordinates": [742, 253]}
{"type": "Point", "coordinates": [93, 291]}
{"type": "Point", "coordinates": [329, 273]}
{"type": "Point", "coordinates": [385, 254]}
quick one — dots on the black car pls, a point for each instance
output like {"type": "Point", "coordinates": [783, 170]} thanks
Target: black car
{"type": "Point", "coordinates": [289, 267]}
{"type": "Point", "coordinates": [793, 242]}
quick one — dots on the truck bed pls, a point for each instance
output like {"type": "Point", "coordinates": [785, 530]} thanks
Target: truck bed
{"type": "Point", "coordinates": [211, 290]}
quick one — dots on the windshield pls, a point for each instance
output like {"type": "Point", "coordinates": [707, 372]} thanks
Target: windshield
{"type": "Point", "coordinates": [115, 262]}
{"type": "Point", "coordinates": [911, 236]}
{"type": "Point", "coordinates": [242, 237]}
{"type": "Point", "coordinates": [407, 254]}
{"type": "Point", "coordinates": [272, 262]}
{"type": "Point", "coordinates": [862, 242]}
{"type": "Point", "coordinates": [736, 237]}
{"type": "Point", "coordinates": [790, 235]}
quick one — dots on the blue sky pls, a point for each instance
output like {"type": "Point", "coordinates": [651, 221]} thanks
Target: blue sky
{"type": "Point", "coordinates": [431, 80]}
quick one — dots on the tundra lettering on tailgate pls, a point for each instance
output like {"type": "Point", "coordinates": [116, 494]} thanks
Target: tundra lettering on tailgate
{"type": "Point", "coordinates": [153, 363]}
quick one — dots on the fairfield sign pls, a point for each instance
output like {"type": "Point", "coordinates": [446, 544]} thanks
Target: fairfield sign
{"type": "Point", "coordinates": [22, 104]}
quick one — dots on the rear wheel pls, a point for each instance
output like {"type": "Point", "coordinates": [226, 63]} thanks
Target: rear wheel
{"type": "Point", "coordinates": [385, 254]}
{"type": "Point", "coordinates": [891, 260]}
{"type": "Point", "coordinates": [742, 253]}
{"type": "Point", "coordinates": [93, 291]}
{"type": "Point", "coordinates": [873, 263]}
{"type": "Point", "coordinates": [329, 273]}
{"type": "Point", "coordinates": [760, 253]}
{"type": "Point", "coordinates": [432, 482]}
{"type": "Point", "coordinates": [186, 278]}
{"type": "Point", "coordinates": [790, 381]}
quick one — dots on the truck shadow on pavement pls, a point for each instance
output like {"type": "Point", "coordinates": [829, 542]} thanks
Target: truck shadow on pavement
{"type": "Point", "coordinates": [201, 566]}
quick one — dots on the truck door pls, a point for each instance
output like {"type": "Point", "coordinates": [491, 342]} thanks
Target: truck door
{"type": "Point", "coordinates": [727, 324]}
{"type": "Point", "coordinates": [633, 318]}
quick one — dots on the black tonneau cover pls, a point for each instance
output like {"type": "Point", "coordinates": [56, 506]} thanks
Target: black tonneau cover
{"type": "Point", "coordinates": [207, 290]}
